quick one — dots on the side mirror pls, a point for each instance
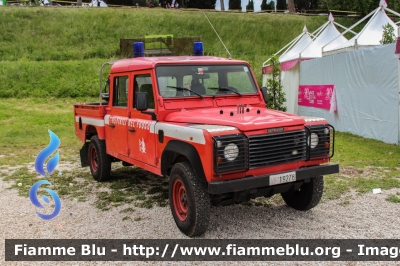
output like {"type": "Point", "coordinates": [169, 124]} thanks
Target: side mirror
{"type": "Point", "coordinates": [265, 94]}
{"type": "Point", "coordinates": [141, 101]}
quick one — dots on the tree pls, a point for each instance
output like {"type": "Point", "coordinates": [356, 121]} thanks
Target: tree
{"type": "Point", "coordinates": [291, 6]}
{"type": "Point", "coordinates": [276, 96]}
{"type": "Point", "coordinates": [250, 6]}
{"type": "Point", "coordinates": [281, 4]}
{"type": "Point", "coordinates": [264, 5]}
{"type": "Point", "coordinates": [201, 3]}
{"type": "Point", "coordinates": [222, 3]}
{"type": "Point", "coordinates": [306, 4]}
{"type": "Point", "coordinates": [361, 6]}
{"type": "Point", "coordinates": [235, 4]}
{"type": "Point", "coordinates": [267, 6]}
{"type": "Point", "coordinates": [388, 35]}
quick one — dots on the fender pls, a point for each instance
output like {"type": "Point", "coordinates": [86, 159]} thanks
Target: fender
{"type": "Point", "coordinates": [184, 149]}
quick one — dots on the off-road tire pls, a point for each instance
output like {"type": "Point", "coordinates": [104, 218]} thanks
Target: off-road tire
{"type": "Point", "coordinates": [99, 160]}
{"type": "Point", "coordinates": [189, 200]}
{"type": "Point", "coordinates": [307, 197]}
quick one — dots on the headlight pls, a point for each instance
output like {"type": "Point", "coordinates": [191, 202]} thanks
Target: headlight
{"type": "Point", "coordinates": [231, 152]}
{"type": "Point", "coordinates": [320, 141]}
{"type": "Point", "coordinates": [313, 140]}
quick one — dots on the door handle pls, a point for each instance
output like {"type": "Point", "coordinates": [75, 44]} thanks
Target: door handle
{"type": "Point", "coordinates": [131, 130]}
{"type": "Point", "coordinates": [111, 125]}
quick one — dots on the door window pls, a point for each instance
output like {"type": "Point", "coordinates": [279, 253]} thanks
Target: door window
{"type": "Point", "coordinates": [120, 98]}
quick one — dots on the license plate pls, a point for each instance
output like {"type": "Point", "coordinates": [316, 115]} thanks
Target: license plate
{"type": "Point", "coordinates": [282, 178]}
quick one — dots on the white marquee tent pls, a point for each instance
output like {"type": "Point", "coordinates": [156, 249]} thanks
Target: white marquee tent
{"type": "Point", "coordinates": [330, 34]}
{"type": "Point", "coordinates": [303, 47]}
{"type": "Point", "coordinates": [369, 36]}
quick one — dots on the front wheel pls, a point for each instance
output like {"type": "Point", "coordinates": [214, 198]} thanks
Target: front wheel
{"type": "Point", "coordinates": [189, 200]}
{"type": "Point", "coordinates": [99, 160]}
{"type": "Point", "coordinates": [307, 197]}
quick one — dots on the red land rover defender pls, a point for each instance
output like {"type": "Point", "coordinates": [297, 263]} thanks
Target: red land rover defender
{"type": "Point", "coordinates": [203, 121]}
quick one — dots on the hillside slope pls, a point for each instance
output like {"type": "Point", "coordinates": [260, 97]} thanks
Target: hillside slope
{"type": "Point", "coordinates": [30, 34]}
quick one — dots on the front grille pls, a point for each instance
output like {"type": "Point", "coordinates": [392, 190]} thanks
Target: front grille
{"type": "Point", "coordinates": [277, 148]}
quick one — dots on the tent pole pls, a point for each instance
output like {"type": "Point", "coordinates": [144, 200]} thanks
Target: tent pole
{"type": "Point", "coordinates": [319, 30]}
{"type": "Point", "coordinates": [393, 12]}
{"type": "Point", "coordinates": [290, 43]}
{"type": "Point", "coordinates": [343, 27]}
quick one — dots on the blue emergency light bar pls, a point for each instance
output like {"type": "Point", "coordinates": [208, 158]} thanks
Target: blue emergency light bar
{"type": "Point", "coordinates": [138, 49]}
{"type": "Point", "coordinates": [198, 48]}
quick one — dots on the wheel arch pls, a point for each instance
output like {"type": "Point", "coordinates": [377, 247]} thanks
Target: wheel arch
{"type": "Point", "coordinates": [90, 131]}
{"type": "Point", "coordinates": [175, 151]}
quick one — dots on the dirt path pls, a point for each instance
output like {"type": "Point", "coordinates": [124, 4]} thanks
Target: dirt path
{"type": "Point", "coordinates": [366, 216]}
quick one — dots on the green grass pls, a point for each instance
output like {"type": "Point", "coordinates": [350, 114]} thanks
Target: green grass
{"type": "Point", "coordinates": [34, 33]}
{"type": "Point", "coordinates": [365, 152]}
{"type": "Point", "coordinates": [58, 51]}
{"type": "Point", "coordinates": [50, 78]}
{"type": "Point", "coordinates": [394, 198]}
{"type": "Point", "coordinates": [25, 123]}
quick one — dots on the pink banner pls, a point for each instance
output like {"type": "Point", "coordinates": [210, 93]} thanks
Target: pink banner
{"type": "Point", "coordinates": [319, 96]}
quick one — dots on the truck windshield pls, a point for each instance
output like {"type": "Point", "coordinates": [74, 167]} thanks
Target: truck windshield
{"type": "Point", "coordinates": [204, 80]}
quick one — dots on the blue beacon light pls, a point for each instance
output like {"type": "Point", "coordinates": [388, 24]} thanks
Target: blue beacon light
{"type": "Point", "coordinates": [138, 49]}
{"type": "Point", "coordinates": [198, 48]}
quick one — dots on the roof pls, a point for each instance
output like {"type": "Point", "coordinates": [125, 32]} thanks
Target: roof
{"type": "Point", "coordinates": [140, 63]}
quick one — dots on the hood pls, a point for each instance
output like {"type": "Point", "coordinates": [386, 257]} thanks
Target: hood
{"type": "Point", "coordinates": [253, 118]}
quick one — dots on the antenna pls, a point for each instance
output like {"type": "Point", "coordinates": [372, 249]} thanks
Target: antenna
{"type": "Point", "coordinates": [230, 56]}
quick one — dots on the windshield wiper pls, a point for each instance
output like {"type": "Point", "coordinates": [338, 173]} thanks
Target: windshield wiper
{"type": "Point", "coordinates": [185, 89]}
{"type": "Point", "coordinates": [226, 89]}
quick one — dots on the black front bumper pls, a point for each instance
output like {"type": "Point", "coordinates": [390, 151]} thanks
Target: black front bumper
{"type": "Point", "coordinates": [248, 183]}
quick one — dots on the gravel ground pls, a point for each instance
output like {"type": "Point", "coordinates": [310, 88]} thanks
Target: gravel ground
{"type": "Point", "coordinates": [366, 216]}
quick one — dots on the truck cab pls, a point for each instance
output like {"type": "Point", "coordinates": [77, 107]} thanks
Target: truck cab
{"type": "Point", "coordinates": [203, 121]}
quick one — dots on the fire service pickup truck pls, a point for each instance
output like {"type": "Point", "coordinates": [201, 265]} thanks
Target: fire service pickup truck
{"type": "Point", "coordinates": [203, 121]}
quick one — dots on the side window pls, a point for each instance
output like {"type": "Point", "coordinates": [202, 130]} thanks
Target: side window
{"type": "Point", "coordinates": [121, 91]}
{"type": "Point", "coordinates": [143, 83]}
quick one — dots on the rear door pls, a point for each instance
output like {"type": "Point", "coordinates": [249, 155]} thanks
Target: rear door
{"type": "Point", "coordinates": [141, 135]}
{"type": "Point", "coordinates": [117, 116]}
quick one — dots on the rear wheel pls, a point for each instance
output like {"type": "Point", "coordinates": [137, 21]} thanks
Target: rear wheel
{"type": "Point", "coordinates": [189, 200]}
{"type": "Point", "coordinates": [307, 197]}
{"type": "Point", "coordinates": [99, 160]}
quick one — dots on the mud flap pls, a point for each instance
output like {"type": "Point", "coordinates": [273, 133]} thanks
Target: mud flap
{"type": "Point", "coordinates": [84, 154]}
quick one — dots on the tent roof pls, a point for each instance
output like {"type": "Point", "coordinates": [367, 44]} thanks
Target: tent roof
{"type": "Point", "coordinates": [370, 35]}
{"type": "Point", "coordinates": [329, 34]}
{"type": "Point", "coordinates": [304, 47]}
{"type": "Point", "coordinates": [295, 51]}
